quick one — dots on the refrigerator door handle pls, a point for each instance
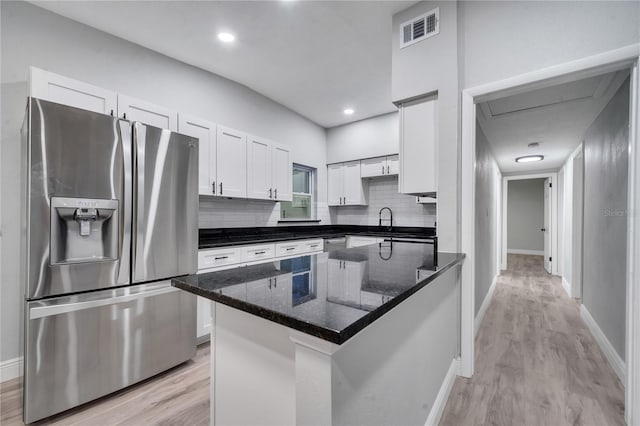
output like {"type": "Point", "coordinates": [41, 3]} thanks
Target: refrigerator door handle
{"type": "Point", "coordinates": [124, 274]}
{"type": "Point", "coordinates": [139, 141]}
{"type": "Point", "coordinates": [48, 311]}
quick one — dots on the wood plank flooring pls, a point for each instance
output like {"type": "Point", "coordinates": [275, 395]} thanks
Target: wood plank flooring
{"type": "Point", "coordinates": [179, 396]}
{"type": "Point", "coordinates": [536, 361]}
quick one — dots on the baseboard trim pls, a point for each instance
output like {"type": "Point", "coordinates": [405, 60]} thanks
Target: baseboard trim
{"type": "Point", "coordinates": [10, 369]}
{"type": "Point", "coordinates": [443, 394]}
{"type": "Point", "coordinates": [530, 252]}
{"type": "Point", "coordinates": [566, 286]}
{"type": "Point", "coordinates": [610, 353]}
{"type": "Point", "coordinates": [485, 305]}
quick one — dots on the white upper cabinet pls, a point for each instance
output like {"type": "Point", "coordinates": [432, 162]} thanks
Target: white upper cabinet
{"type": "Point", "coordinates": [259, 168]}
{"type": "Point", "coordinates": [379, 166]}
{"type": "Point", "coordinates": [205, 131]}
{"type": "Point", "coordinates": [282, 172]}
{"type": "Point", "coordinates": [418, 148]}
{"type": "Point", "coordinates": [133, 109]}
{"type": "Point", "coordinates": [62, 90]}
{"type": "Point", "coordinates": [269, 170]}
{"type": "Point", "coordinates": [335, 184]}
{"type": "Point", "coordinates": [345, 187]}
{"type": "Point", "coordinates": [231, 163]}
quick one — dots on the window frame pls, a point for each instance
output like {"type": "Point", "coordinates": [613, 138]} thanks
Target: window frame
{"type": "Point", "coordinates": [312, 195]}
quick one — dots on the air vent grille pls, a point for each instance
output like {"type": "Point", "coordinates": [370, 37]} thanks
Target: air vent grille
{"type": "Point", "coordinates": [420, 28]}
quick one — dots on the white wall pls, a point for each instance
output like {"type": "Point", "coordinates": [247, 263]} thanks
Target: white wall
{"type": "Point", "coordinates": [525, 215]}
{"type": "Point", "coordinates": [383, 192]}
{"type": "Point", "coordinates": [33, 36]}
{"type": "Point", "coordinates": [426, 67]}
{"type": "Point", "coordinates": [567, 215]}
{"type": "Point", "coordinates": [373, 137]}
{"type": "Point", "coordinates": [500, 39]}
{"type": "Point", "coordinates": [606, 159]}
{"type": "Point", "coordinates": [488, 179]}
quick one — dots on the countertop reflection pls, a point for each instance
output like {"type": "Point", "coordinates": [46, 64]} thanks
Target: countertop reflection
{"type": "Point", "coordinates": [330, 295]}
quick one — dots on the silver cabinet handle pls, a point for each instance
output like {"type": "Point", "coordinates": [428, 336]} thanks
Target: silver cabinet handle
{"type": "Point", "coordinates": [291, 248]}
{"type": "Point", "coordinates": [270, 193]}
{"type": "Point", "coordinates": [220, 188]}
{"type": "Point", "coordinates": [313, 245]}
{"type": "Point", "coordinates": [213, 187]}
{"type": "Point", "coordinates": [387, 169]}
{"type": "Point", "coordinates": [383, 169]}
{"type": "Point", "coordinates": [275, 193]}
{"type": "Point", "coordinates": [259, 252]}
{"type": "Point", "coordinates": [221, 257]}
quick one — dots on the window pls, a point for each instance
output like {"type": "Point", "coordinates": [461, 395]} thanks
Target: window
{"type": "Point", "coordinates": [303, 205]}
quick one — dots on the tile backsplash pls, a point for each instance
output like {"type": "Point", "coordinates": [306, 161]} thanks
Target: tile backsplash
{"type": "Point", "coordinates": [383, 192]}
{"type": "Point", "coordinates": [236, 213]}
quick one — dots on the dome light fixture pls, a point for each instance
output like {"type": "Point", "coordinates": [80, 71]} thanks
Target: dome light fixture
{"type": "Point", "coordinates": [529, 158]}
{"type": "Point", "coordinates": [348, 111]}
{"type": "Point", "coordinates": [226, 37]}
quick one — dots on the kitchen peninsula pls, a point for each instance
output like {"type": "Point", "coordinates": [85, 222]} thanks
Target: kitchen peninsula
{"type": "Point", "coordinates": [364, 335]}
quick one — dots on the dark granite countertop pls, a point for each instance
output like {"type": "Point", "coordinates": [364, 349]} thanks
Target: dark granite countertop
{"type": "Point", "coordinates": [220, 237]}
{"type": "Point", "coordinates": [333, 295]}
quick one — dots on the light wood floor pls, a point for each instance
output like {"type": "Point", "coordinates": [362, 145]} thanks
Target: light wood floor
{"type": "Point", "coordinates": [536, 362]}
{"type": "Point", "coordinates": [179, 396]}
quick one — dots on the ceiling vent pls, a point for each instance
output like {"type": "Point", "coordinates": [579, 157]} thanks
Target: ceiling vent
{"type": "Point", "coordinates": [420, 28]}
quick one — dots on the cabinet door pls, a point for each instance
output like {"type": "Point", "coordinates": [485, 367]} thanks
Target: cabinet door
{"type": "Point", "coordinates": [62, 90]}
{"type": "Point", "coordinates": [231, 163]}
{"type": "Point", "coordinates": [353, 275]}
{"type": "Point", "coordinates": [335, 184]}
{"type": "Point", "coordinates": [418, 147]}
{"type": "Point", "coordinates": [281, 297]}
{"type": "Point", "coordinates": [335, 280]}
{"type": "Point", "coordinates": [354, 186]}
{"type": "Point", "coordinates": [282, 173]}
{"type": "Point", "coordinates": [259, 292]}
{"type": "Point", "coordinates": [205, 131]}
{"type": "Point", "coordinates": [259, 171]}
{"type": "Point", "coordinates": [393, 165]}
{"type": "Point", "coordinates": [133, 109]}
{"type": "Point", "coordinates": [373, 167]}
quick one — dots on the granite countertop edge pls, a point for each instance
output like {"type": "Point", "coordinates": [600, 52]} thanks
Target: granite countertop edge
{"type": "Point", "coordinates": [324, 333]}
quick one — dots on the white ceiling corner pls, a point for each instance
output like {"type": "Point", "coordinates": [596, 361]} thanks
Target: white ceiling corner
{"type": "Point", "coordinates": [313, 57]}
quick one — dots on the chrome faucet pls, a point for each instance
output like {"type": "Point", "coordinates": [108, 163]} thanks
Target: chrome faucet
{"type": "Point", "coordinates": [390, 219]}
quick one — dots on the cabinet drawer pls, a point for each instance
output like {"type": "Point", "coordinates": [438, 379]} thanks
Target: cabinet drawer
{"type": "Point", "coordinates": [312, 246]}
{"type": "Point", "coordinates": [288, 248]}
{"type": "Point", "coordinates": [219, 257]}
{"type": "Point", "coordinates": [258, 252]}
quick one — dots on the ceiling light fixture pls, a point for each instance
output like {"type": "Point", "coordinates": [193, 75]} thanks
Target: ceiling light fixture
{"type": "Point", "coordinates": [348, 111]}
{"type": "Point", "coordinates": [226, 37]}
{"type": "Point", "coordinates": [529, 158]}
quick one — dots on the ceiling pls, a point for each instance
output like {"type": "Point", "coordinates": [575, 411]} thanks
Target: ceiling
{"type": "Point", "coordinates": [556, 117]}
{"type": "Point", "coordinates": [316, 58]}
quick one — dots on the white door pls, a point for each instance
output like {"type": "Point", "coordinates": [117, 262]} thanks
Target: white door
{"type": "Point", "coordinates": [52, 87]}
{"type": "Point", "coordinates": [373, 167]}
{"type": "Point", "coordinates": [547, 225]}
{"type": "Point", "coordinates": [259, 185]}
{"type": "Point", "coordinates": [353, 188]}
{"type": "Point", "coordinates": [231, 163]}
{"type": "Point", "coordinates": [133, 109]}
{"type": "Point", "coordinates": [205, 131]}
{"type": "Point", "coordinates": [393, 164]}
{"type": "Point", "coordinates": [282, 173]}
{"type": "Point", "coordinates": [335, 184]}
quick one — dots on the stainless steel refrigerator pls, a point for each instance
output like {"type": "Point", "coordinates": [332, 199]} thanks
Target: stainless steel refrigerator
{"type": "Point", "coordinates": [111, 216]}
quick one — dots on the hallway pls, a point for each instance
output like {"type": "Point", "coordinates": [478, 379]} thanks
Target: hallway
{"type": "Point", "coordinates": [536, 362]}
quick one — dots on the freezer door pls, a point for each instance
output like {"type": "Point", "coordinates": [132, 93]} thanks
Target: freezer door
{"type": "Point", "coordinates": [79, 348]}
{"type": "Point", "coordinates": [165, 225]}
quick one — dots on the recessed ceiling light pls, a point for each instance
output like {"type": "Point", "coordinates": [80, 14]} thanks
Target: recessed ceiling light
{"type": "Point", "coordinates": [529, 158]}
{"type": "Point", "coordinates": [348, 111]}
{"type": "Point", "coordinates": [226, 37]}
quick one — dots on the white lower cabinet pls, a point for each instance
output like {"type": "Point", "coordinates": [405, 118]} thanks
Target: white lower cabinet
{"type": "Point", "coordinates": [345, 280]}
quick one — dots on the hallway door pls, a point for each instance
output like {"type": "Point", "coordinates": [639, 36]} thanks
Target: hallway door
{"type": "Point", "coordinates": [546, 226]}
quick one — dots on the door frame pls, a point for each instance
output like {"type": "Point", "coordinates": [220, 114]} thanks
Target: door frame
{"type": "Point", "coordinates": [622, 58]}
{"type": "Point", "coordinates": [553, 178]}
